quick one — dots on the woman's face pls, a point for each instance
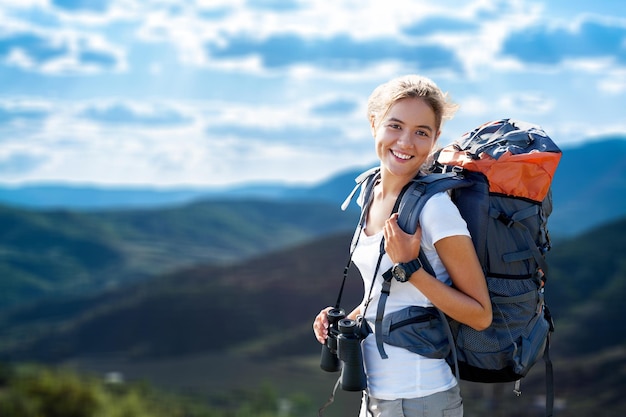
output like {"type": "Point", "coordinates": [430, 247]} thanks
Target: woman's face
{"type": "Point", "coordinates": [405, 136]}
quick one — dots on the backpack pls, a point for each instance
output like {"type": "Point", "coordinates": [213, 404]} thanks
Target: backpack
{"type": "Point", "coordinates": [499, 176]}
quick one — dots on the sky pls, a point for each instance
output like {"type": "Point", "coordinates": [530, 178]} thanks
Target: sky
{"type": "Point", "coordinates": [171, 93]}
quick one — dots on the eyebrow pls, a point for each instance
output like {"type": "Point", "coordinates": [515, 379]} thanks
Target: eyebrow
{"type": "Point", "coordinates": [393, 119]}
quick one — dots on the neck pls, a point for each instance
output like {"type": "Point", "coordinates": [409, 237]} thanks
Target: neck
{"type": "Point", "coordinates": [391, 185]}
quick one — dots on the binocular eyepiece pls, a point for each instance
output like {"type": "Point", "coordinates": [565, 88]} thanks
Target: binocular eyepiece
{"type": "Point", "coordinates": [342, 351]}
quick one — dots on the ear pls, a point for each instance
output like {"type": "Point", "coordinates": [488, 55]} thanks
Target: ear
{"type": "Point", "coordinates": [373, 125]}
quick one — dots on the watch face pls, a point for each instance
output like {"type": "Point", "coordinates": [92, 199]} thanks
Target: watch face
{"type": "Point", "coordinates": [399, 273]}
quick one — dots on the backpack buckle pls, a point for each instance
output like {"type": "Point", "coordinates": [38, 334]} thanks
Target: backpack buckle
{"type": "Point", "coordinates": [508, 221]}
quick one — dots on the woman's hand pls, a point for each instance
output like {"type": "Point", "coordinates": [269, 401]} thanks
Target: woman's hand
{"type": "Point", "coordinates": [399, 245]}
{"type": "Point", "coordinates": [320, 325]}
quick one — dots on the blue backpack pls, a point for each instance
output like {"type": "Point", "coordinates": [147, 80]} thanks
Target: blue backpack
{"type": "Point", "coordinates": [499, 177]}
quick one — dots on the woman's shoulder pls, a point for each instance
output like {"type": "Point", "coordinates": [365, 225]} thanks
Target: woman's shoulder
{"type": "Point", "coordinates": [440, 199]}
{"type": "Point", "coordinates": [441, 203]}
{"type": "Point", "coordinates": [441, 218]}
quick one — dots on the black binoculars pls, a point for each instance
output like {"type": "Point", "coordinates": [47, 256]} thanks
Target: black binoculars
{"type": "Point", "coordinates": [342, 351]}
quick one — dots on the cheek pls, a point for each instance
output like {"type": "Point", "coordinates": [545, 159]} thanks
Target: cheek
{"type": "Point", "coordinates": [429, 145]}
{"type": "Point", "coordinates": [381, 141]}
{"type": "Point", "coordinates": [381, 150]}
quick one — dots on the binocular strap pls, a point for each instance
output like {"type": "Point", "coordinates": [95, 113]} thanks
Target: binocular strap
{"type": "Point", "coordinates": [330, 400]}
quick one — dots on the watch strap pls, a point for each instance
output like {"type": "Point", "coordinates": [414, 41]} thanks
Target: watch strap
{"type": "Point", "coordinates": [412, 267]}
{"type": "Point", "coordinates": [409, 267]}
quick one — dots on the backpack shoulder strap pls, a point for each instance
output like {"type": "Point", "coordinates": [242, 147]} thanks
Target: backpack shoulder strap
{"type": "Point", "coordinates": [411, 203]}
{"type": "Point", "coordinates": [420, 191]}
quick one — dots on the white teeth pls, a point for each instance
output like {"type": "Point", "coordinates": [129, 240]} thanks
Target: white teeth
{"type": "Point", "coordinates": [401, 155]}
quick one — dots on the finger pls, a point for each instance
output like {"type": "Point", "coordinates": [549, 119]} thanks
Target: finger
{"type": "Point", "coordinates": [389, 227]}
{"type": "Point", "coordinates": [320, 325]}
{"type": "Point", "coordinates": [321, 333]}
{"type": "Point", "coordinates": [393, 223]}
{"type": "Point", "coordinates": [324, 316]}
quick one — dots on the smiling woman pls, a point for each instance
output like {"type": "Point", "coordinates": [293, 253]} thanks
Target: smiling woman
{"type": "Point", "coordinates": [405, 116]}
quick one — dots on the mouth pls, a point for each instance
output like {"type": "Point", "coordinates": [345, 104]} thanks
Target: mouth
{"type": "Point", "coordinates": [401, 155]}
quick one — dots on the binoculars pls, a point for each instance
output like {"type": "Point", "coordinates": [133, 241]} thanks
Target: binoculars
{"type": "Point", "coordinates": [342, 351]}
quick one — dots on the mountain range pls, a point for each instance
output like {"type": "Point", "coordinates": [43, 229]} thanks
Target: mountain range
{"type": "Point", "coordinates": [289, 286]}
{"type": "Point", "coordinates": [589, 188]}
{"type": "Point", "coordinates": [210, 328]}
{"type": "Point", "coordinates": [45, 253]}
{"type": "Point", "coordinates": [218, 292]}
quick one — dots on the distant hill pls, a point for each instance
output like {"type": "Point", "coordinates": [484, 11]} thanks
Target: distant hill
{"type": "Point", "coordinates": [60, 251]}
{"type": "Point", "coordinates": [102, 197]}
{"type": "Point", "coordinates": [589, 189]}
{"type": "Point", "coordinates": [44, 252]}
{"type": "Point", "coordinates": [231, 327]}
{"type": "Point", "coordinates": [267, 303]}
{"type": "Point", "coordinates": [269, 299]}
{"type": "Point", "coordinates": [587, 286]}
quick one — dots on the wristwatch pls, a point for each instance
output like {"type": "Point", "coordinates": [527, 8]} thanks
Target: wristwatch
{"type": "Point", "coordinates": [403, 271]}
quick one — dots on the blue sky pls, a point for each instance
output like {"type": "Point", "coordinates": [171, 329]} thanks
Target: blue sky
{"type": "Point", "coordinates": [219, 92]}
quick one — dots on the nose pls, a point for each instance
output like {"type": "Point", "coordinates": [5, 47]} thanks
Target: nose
{"type": "Point", "coordinates": [404, 139]}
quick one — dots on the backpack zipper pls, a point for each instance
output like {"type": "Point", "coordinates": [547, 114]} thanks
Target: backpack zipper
{"type": "Point", "coordinates": [419, 319]}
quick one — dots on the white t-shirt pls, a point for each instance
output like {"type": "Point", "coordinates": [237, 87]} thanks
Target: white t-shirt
{"type": "Point", "coordinates": [405, 374]}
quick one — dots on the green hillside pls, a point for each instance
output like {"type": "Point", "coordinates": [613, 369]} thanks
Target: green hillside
{"type": "Point", "coordinates": [587, 286]}
{"type": "Point", "coordinates": [274, 294]}
{"type": "Point", "coordinates": [36, 391]}
{"type": "Point", "coordinates": [43, 253]}
{"type": "Point", "coordinates": [585, 197]}
{"type": "Point", "coordinates": [212, 329]}
{"type": "Point", "coordinates": [268, 297]}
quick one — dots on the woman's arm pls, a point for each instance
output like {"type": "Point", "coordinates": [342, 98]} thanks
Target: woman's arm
{"type": "Point", "coordinates": [468, 299]}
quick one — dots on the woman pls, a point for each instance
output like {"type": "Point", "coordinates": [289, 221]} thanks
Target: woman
{"type": "Point", "coordinates": [406, 116]}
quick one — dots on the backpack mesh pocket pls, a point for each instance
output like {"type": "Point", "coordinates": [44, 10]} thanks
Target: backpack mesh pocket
{"type": "Point", "coordinates": [511, 333]}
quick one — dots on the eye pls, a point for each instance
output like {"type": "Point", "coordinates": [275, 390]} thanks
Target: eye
{"type": "Point", "coordinates": [422, 133]}
{"type": "Point", "coordinates": [394, 126]}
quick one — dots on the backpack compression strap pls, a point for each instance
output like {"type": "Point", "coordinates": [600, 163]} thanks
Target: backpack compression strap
{"type": "Point", "coordinates": [516, 222]}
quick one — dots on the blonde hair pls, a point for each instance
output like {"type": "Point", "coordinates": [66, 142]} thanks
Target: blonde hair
{"type": "Point", "coordinates": [410, 86]}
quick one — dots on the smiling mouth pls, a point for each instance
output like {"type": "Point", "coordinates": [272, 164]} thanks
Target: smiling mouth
{"type": "Point", "coordinates": [401, 155]}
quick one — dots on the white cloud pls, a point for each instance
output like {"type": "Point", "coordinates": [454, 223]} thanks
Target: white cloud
{"type": "Point", "coordinates": [614, 83]}
{"type": "Point", "coordinates": [475, 106]}
{"type": "Point", "coordinates": [525, 103]}
{"type": "Point", "coordinates": [115, 142]}
{"type": "Point", "coordinates": [58, 52]}
{"type": "Point", "coordinates": [19, 58]}
{"type": "Point", "coordinates": [182, 92]}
